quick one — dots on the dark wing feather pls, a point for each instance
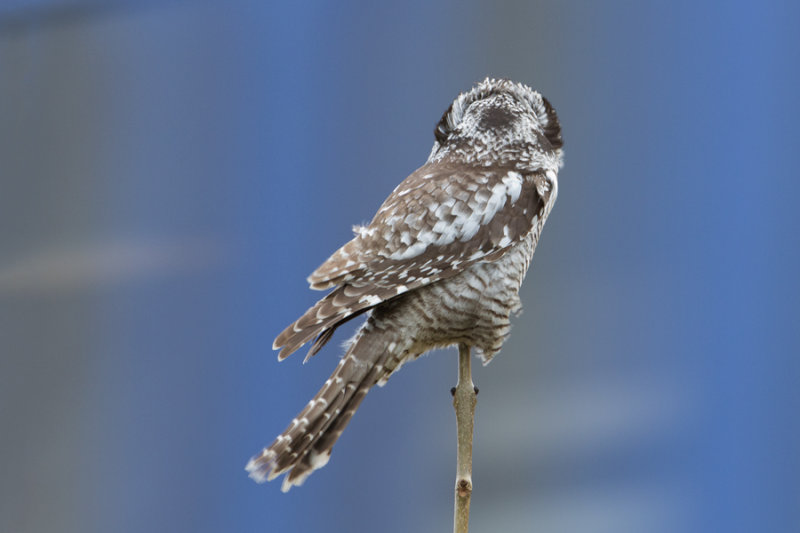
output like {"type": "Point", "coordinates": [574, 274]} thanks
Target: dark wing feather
{"type": "Point", "coordinates": [439, 221]}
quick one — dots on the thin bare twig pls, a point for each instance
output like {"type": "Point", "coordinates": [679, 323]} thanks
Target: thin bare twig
{"type": "Point", "coordinates": [465, 396]}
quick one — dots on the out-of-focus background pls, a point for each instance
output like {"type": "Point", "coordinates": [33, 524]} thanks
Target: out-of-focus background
{"type": "Point", "coordinates": [170, 172]}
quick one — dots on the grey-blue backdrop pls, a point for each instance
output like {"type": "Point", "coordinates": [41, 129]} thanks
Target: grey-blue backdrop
{"type": "Point", "coordinates": [171, 172]}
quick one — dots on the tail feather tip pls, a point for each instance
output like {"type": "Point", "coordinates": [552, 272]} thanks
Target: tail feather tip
{"type": "Point", "coordinates": [316, 461]}
{"type": "Point", "coordinates": [260, 468]}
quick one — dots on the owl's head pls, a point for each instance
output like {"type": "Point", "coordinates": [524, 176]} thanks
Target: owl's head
{"type": "Point", "coordinates": [498, 121]}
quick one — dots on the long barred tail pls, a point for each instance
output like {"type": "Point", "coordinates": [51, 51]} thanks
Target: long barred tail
{"type": "Point", "coordinates": [306, 444]}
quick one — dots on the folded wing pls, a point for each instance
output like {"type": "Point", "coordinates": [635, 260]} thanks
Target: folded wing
{"type": "Point", "coordinates": [439, 221]}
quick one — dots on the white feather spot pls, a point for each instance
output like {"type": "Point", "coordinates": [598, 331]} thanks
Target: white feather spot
{"type": "Point", "coordinates": [496, 201]}
{"type": "Point", "coordinates": [412, 251]}
{"type": "Point", "coordinates": [471, 226]}
{"type": "Point", "coordinates": [513, 181]}
{"type": "Point", "coordinates": [447, 206]}
{"type": "Point", "coordinates": [363, 231]}
{"type": "Point", "coordinates": [441, 226]}
{"type": "Point", "coordinates": [506, 240]}
{"type": "Point", "coordinates": [370, 299]}
{"type": "Point", "coordinates": [412, 219]}
{"type": "Point", "coordinates": [318, 460]}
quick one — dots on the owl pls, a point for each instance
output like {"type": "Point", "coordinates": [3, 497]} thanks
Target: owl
{"type": "Point", "coordinates": [440, 264]}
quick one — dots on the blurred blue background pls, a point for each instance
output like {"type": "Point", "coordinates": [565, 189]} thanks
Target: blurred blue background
{"type": "Point", "coordinates": [171, 172]}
